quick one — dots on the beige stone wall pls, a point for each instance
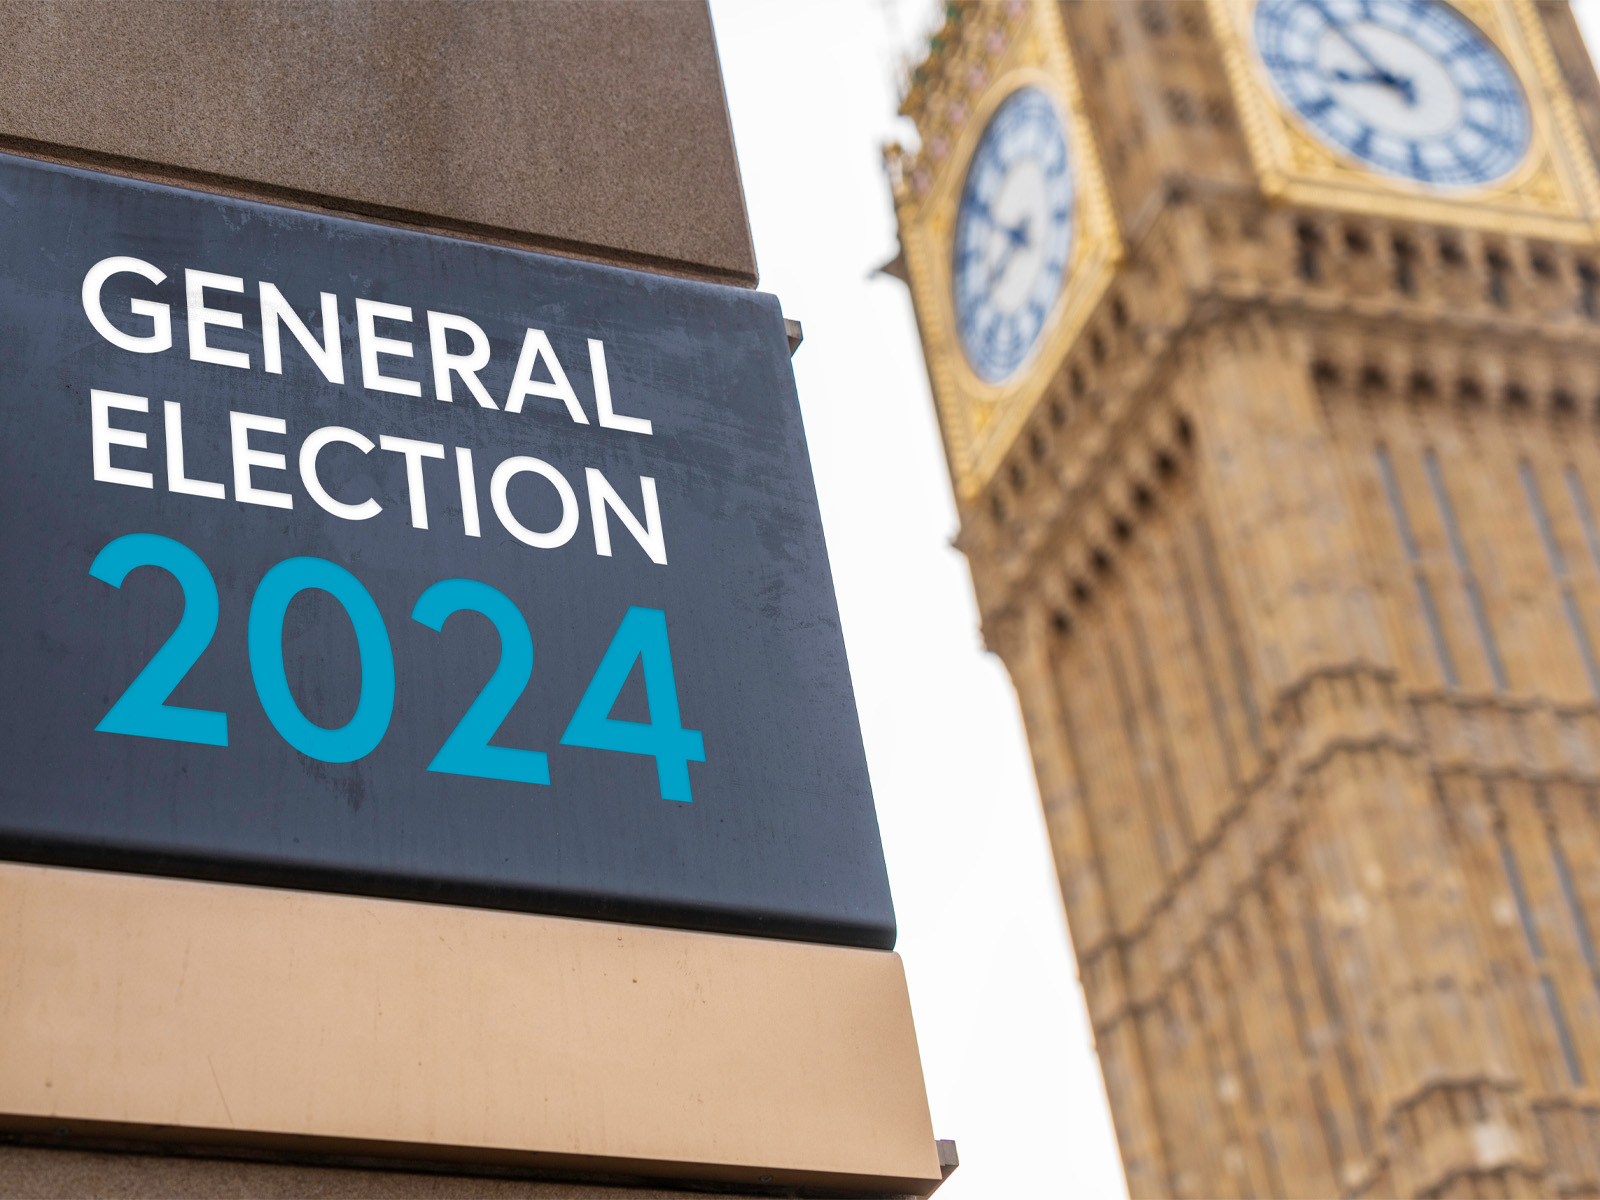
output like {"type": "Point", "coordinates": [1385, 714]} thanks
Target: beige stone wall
{"type": "Point", "coordinates": [37, 1173]}
{"type": "Point", "coordinates": [599, 130]}
{"type": "Point", "coordinates": [1333, 900]}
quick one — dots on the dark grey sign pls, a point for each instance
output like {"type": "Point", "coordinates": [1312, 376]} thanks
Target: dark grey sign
{"type": "Point", "coordinates": [346, 557]}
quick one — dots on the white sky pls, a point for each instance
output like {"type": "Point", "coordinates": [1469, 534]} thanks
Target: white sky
{"type": "Point", "coordinates": [1006, 1050]}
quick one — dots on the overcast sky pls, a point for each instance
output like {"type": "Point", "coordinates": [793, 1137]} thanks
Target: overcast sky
{"type": "Point", "coordinates": [1006, 1050]}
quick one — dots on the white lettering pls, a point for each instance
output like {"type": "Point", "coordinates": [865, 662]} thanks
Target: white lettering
{"type": "Point", "coordinates": [465, 365]}
{"type": "Point", "coordinates": [469, 492]}
{"type": "Point", "coordinates": [602, 394]}
{"type": "Point", "coordinates": [104, 436]}
{"type": "Point", "coordinates": [327, 354]}
{"type": "Point", "coordinates": [310, 448]}
{"type": "Point", "coordinates": [649, 535]}
{"type": "Point", "coordinates": [535, 346]}
{"type": "Point", "coordinates": [372, 345]}
{"type": "Point", "coordinates": [562, 533]}
{"type": "Point", "coordinates": [160, 336]}
{"type": "Point", "coordinates": [176, 480]}
{"type": "Point", "coordinates": [244, 458]}
{"type": "Point", "coordinates": [414, 453]}
{"type": "Point", "coordinates": [195, 285]}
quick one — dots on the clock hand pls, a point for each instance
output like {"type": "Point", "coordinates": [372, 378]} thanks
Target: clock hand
{"type": "Point", "coordinates": [1016, 239]}
{"type": "Point", "coordinates": [1399, 83]}
{"type": "Point", "coordinates": [1000, 266]}
{"type": "Point", "coordinates": [1380, 73]}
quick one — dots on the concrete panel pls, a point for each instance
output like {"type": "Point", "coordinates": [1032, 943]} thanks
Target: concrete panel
{"type": "Point", "coordinates": [594, 129]}
{"type": "Point", "coordinates": [38, 1173]}
{"type": "Point", "coordinates": [212, 1017]}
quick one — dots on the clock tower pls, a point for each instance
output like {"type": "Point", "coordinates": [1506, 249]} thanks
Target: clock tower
{"type": "Point", "coordinates": [1265, 342]}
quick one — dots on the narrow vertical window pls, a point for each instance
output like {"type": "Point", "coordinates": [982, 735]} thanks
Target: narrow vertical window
{"type": "Point", "coordinates": [1580, 502]}
{"type": "Point", "coordinates": [1469, 581]}
{"type": "Point", "coordinates": [1408, 540]}
{"type": "Point", "coordinates": [1341, 1044]}
{"type": "Point", "coordinates": [1558, 568]}
{"type": "Point", "coordinates": [1588, 288]}
{"type": "Point", "coordinates": [1580, 919]}
{"type": "Point", "coordinates": [1212, 564]}
{"type": "Point", "coordinates": [1201, 646]}
{"type": "Point", "coordinates": [1498, 293]}
{"type": "Point", "coordinates": [1405, 266]}
{"type": "Point", "coordinates": [1308, 241]}
{"type": "Point", "coordinates": [1530, 931]}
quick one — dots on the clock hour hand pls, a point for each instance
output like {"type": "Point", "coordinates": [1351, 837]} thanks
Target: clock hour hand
{"type": "Point", "coordinates": [1399, 83]}
{"type": "Point", "coordinates": [1016, 239]}
{"type": "Point", "coordinates": [1380, 73]}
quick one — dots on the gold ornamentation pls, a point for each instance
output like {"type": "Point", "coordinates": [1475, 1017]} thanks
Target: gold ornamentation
{"type": "Point", "coordinates": [980, 420]}
{"type": "Point", "coordinates": [1554, 193]}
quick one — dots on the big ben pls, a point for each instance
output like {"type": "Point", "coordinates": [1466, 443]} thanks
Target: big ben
{"type": "Point", "coordinates": [1265, 341]}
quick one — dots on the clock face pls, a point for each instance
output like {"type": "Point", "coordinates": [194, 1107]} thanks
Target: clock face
{"type": "Point", "coordinates": [1409, 87]}
{"type": "Point", "coordinates": [1013, 234]}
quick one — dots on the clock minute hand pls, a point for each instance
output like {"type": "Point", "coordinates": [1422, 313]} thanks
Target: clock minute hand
{"type": "Point", "coordinates": [1016, 239]}
{"type": "Point", "coordinates": [1399, 84]}
{"type": "Point", "coordinates": [1380, 73]}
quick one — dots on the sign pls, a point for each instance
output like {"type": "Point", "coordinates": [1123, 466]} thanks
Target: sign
{"type": "Point", "coordinates": [346, 557]}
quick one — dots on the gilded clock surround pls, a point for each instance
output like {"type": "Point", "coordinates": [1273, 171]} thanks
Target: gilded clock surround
{"type": "Point", "coordinates": [980, 420]}
{"type": "Point", "coordinates": [1553, 193]}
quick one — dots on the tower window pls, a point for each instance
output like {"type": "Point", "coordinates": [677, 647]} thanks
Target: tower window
{"type": "Point", "coordinates": [1469, 578]}
{"type": "Point", "coordinates": [1530, 932]}
{"type": "Point", "coordinates": [1558, 568]}
{"type": "Point", "coordinates": [1499, 292]}
{"type": "Point", "coordinates": [1308, 241]}
{"type": "Point", "coordinates": [1588, 290]}
{"type": "Point", "coordinates": [1569, 891]}
{"type": "Point", "coordinates": [1413, 552]}
{"type": "Point", "coordinates": [1405, 266]}
{"type": "Point", "coordinates": [1580, 502]}
{"type": "Point", "coordinates": [1450, 252]}
{"type": "Point", "coordinates": [1180, 106]}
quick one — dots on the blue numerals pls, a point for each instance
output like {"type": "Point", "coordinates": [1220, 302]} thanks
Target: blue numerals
{"type": "Point", "coordinates": [642, 638]}
{"type": "Point", "coordinates": [467, 751]}
{"type": "Point", "coordinates": [360, 736]}
{"type": "Point", "coordinates": [142, 710]}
